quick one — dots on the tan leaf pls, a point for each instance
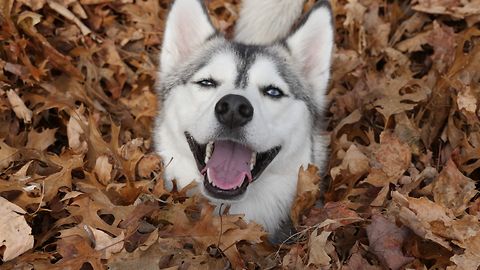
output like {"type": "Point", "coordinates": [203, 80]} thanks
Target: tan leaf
{"type": "Point", "coordinates": [148, 164]}
{"type": "Point", "coordinates": [317, 248]}
{"type": "Point", "coordinates": [41, 140]}
{"type": "Point", "coordinates": [386, 241]}
{"type": "Point", "coordinates": [7, 155]}
{"type": "Point", "coordinates": [19, 107]}
{"type": "Point", "coordinates": [75, 252]}
{"type": "Point", "coordinates": [453, 190]}
{"type": "Point", "coordinates": [16, 236]}
{"type": "Point", "coordinates": [333, 211]}
{"type": "Point", "coordinates": [389, 161]}
{"type": "Point", "coordinates": [85, 212]}
{"type": "Point", "coordinates": [103, 170]}
{"type": "Point", "coordinates": [107, 244]}
{"type": "Point", "coordinates": [466, 100]}
{"type": "Point", "coordinates": [226, 231]}
{"type": "Point", "coordinates": [307, 191]}
{"type": "Point", "coordinates": [355, 161]}
{"type": "Point", "coordinates": [75, 131]}
{"type": "Point", "coordinates": [63, 178]}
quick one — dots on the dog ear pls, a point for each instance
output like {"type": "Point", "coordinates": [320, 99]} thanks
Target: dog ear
{"type": "Point", "coordinates": [311, 45]}
{"type": "Point", "coordinates": [187, 27]}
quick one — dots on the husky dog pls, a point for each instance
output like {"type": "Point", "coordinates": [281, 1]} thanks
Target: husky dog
{"type": "Point", "coordinates": [241, 119]}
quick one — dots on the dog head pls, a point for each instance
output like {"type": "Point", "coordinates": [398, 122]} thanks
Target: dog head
{"type": "Point", "coordinates": [232, 111]}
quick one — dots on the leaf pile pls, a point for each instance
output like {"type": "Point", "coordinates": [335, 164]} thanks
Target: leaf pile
{"type": "Point", "coordinates": [81, 187]}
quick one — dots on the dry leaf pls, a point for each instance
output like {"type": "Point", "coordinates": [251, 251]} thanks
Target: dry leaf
{"type": "Point", "coordinates": [19, 107]}
{"type": "Point", "coordinates": [389, 161]}
{"type": "Point", "coordinates": [16, 235]}
{"type": "Point", "coordinates": [386, 241]}
{"type": "Point", "coordinates": [354, 161]}
{"type": "Point", "coordinates": [317, 253]}
{"type": "Point", "coordinates": [107, 244]}
{"type": "Point", "coordinates": [308, 191]}
{"type": "Point", "coordinates": [103, 170]}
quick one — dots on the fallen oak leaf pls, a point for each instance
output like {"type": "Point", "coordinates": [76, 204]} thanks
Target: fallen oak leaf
{"type": "Point", "coordinates": [434, 222]}
{"type": "Point", "coordinates": [308, 192]}
{"type": "Point", "coordinates": [386, 241]}
{"type": "Point", "coordinates": [75, 132]}
{"type": "Point", "coordinates": [16, 236]}
{"type": "Point", "coordinates": [103, 170]}
{"type": "Point", "coordinates": [355, 161]}
{"type": "Point", "coordinates": [357, 260]}
{"type": "Point", "coordinates": [318, 255]}
{"type": "Point", "coordinates": [85, 212]}
{"type": "Point", "coordinates": [106, 244]}
{"type": "Point", "coordinates": [41, 140]}
{"type": "Point", "coordinates": [334, 211]}
{"type": "Point", "coordinates": [68, 162]}
{"type": "Point", "coordinates": [69, 16]}
{"type": "Point", "coordinates": [7, 155]}
{"type": "Point", "coordinates": [222, 231]}
{"type": "Point", "coordinates": [18, 106]}
{"type": "Point", "coordinates": [33, 4]}
{"type": "Point", "coordinates": [453, 190]}
{"type": "Point", "coordinates": [76, 252]}
{"type": "Point", "coordinates": [389, 161]}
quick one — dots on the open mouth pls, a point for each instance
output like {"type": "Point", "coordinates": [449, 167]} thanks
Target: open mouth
{"type": "Point", "coordinates": [229, 167]}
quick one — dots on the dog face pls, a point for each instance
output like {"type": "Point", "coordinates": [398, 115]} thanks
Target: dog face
{"type": "Point", "coordinates": [234, 114]}
{"type": "Point", "coordinates": [238, 112]}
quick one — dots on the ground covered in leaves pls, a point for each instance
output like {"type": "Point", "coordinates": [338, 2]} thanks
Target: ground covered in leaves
{"type": "Point", "coordinates": [80, 187]}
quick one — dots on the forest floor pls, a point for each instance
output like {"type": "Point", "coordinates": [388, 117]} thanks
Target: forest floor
{"type": "Point", "coordinates": [80, 187]}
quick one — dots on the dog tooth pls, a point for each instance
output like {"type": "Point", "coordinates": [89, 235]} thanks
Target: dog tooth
{"type": "Point", "coordinates": [207, 158]}
{"type": "Point", "coordinates": [208, 176]}
{"type": "Point", "coordinates": [253, 160]}
{"type": "Point", "coordinates": [209, 149]}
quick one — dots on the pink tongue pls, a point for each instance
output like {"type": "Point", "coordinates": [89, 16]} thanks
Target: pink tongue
{"type": "Point", "coordinates": [229, 164]}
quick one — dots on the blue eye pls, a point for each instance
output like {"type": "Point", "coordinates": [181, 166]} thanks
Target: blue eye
{"type": "Point", "coordinates": [273, 92]}
{"type": "Point", "coordinates": [207, 83]}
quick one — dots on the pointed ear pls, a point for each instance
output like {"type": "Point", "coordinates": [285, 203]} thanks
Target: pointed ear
{"type": "Point", "coordinates": [188, 26]}
{"type": "Point", "coordinates": [311, 45]}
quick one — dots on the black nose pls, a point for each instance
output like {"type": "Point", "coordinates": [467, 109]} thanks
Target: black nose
{"type": "Point", "coordinates": [233, 111]}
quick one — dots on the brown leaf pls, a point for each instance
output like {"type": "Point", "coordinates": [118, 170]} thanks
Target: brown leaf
{"type": "Point", "coordinates": [335, 211]}
{"type": "Point", "coordinates": [106, 244]}
{"type": "Point", "coordinates": [318, 254]}
{"type": "Point", "coordinates": [453, 190]}
{"type": "Point", "coordinates": [41, 140]}
{"type": "Point", "coordinates": [19, 107]}
{"type": "Point", "coordinates": [308, 191]}
{"type": "Point", "coordinates": [76, 252]}
{"type": "Point", "coordinates": [63, 178]}
{"type": "Point", "coordinates": [390, 160]}
{"type": "Point", "coordinates": [8, 154]}
{"type": "Point", "coordinates": [357, 260]}
{"type": "Point", "coordinates": [225, 231]}
{"type": "Point", "coordinates": [103, 170]}
{"type": "Point", "coordinates": [354, 161]}
{"type": "Point", "coordinates": [386, 241]}
{"type": "Point", "coordinates": [16, 236]}
{"type": "Point", "coordinates": [148, 164]}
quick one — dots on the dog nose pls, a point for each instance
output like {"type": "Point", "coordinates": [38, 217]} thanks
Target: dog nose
{"type": "Point", "coordinates": [233, 110]}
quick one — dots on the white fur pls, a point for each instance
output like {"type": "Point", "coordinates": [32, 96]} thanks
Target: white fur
{"type": "Point", "coordinates": [180, 39]}
{"type": "Point", "coordinates": [265, 21]}
{"type": "Point", "coordinates": [286, 122]}
{"type": "Point", "coordinates": [311, 45]}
